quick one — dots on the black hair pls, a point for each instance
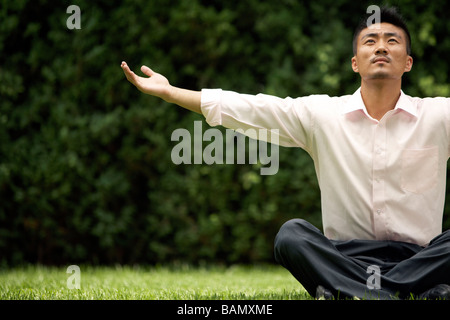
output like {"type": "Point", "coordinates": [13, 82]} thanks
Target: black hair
{"type": "Point", "coordinates": [388, 15]}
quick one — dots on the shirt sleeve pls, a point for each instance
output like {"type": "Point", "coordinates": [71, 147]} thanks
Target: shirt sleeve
{"type": "Point", "coordinates": [287, 120]}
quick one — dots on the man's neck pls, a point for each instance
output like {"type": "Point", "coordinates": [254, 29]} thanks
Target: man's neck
{"type": "Point", "coordinates": [380, 96]}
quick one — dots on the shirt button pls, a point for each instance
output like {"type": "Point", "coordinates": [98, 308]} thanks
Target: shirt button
{"type": "Point", "coordinates": [378, 211]}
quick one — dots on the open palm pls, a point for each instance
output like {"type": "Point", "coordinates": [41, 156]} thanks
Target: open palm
{"type": "Point", "coordinates": [156, 84]}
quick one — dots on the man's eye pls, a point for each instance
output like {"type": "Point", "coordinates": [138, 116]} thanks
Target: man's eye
{"type": "Point", "coordinates": [370, 41]}
{"type": "Point", "coordinates": [393, 40]}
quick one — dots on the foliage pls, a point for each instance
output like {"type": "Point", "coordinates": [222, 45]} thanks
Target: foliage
{"type": "Point", "coordinates": [85, 167]}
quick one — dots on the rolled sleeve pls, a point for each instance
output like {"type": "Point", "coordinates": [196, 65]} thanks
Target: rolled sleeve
{"type": "Point", "coordinates": [211, 106]}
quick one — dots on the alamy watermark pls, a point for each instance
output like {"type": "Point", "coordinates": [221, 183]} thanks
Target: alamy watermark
{"type": "Point", "coordinates": [375, 18]}
{"type": "Point", "coordinates": [190, 149]}
{"type": "Point", "coordinates": [74, 20]}
{"type": "Point", "coordinates": [374, 280]}
{"type": "Point", "coordinates": [74, 281]}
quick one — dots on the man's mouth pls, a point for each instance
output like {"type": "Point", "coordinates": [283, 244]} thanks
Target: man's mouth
{"type": "Point", "coordinates": [380, 60]}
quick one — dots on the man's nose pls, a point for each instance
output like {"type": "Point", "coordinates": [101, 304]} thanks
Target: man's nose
{"type": "Point", "coordinates": [381, 50]}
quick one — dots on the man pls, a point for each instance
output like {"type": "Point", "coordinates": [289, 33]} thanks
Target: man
{"type": "Point", "coordinates": [380, 158]}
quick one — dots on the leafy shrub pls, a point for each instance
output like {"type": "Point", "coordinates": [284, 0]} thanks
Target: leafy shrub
{"type": "Point", "coordinates": [85, 167]}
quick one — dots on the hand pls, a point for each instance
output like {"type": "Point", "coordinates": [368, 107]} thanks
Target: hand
{"type": "Point", "coordinates": [155, 85]}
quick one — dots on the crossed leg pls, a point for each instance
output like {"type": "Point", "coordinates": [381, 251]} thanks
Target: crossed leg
{"type": "Point", "coordinates": [342, 266]}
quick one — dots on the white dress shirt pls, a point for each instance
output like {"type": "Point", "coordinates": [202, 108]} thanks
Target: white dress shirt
{"type": "Point", "coordinates": [379, 180]}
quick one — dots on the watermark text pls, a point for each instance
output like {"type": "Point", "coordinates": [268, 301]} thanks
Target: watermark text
{"type": "Point", "coordinates": [233, 150]}
{"type": "Point", "coordinates": [74, 281]}
{"type": "Point", "coordinates": [74, 20]}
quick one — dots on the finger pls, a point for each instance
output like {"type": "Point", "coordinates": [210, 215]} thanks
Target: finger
{"type": "Point", "coordinates": [124, 66]}
{"type": "Point", "coordinates": [147, 71]}
{"type": "Point", "coordinates": [131, 76]}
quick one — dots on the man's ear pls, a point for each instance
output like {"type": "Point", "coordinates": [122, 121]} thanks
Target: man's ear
{"type": "Point", "coordinates": [409, 64]}
{"type": "Point", "coordinates": [355, 65]}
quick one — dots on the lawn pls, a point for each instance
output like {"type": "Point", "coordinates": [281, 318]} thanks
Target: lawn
{"type": "Point", "coordinates": [151, 283]}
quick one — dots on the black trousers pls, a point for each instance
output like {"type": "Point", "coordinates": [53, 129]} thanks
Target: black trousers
{"type": "Point", "coordinates": [361, 268]}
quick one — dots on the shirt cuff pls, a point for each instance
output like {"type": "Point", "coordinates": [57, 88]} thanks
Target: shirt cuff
{"type": "Point", "coordinates": [211, 106]}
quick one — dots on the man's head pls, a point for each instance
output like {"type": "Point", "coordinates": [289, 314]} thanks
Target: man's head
{"type": "Point", "coordinates": [382, 50]}
{"type": "Point", "coordinates": [387, 15]}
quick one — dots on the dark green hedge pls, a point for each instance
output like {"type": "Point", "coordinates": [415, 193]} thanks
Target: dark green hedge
{"type": "Point", "coordinates": [85, 168]}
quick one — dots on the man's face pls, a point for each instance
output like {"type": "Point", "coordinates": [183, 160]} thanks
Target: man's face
{"type": "Point", "coordinates": [381, 53]}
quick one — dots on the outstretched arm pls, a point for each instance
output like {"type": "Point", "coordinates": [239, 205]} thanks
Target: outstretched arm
{"type": "Point", "coordinates": [157, 85]}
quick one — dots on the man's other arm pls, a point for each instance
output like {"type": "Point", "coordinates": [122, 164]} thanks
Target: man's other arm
{"type": "Point", "coordinates": [288, 120]}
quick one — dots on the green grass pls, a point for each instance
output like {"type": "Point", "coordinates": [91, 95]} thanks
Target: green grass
{"type": "Point", "coordinates": [151, 283]}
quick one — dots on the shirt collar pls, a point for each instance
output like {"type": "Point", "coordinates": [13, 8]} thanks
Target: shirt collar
{"type": "Point", "coordinates": [356, 103]}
